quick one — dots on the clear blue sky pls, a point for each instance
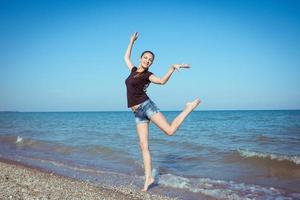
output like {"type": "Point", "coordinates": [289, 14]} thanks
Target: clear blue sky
{"type": "Point", "coordinates": [68, 55]}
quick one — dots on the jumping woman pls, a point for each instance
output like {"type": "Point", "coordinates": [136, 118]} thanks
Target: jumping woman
{"type": "Point", "coordinates": [144, 109]}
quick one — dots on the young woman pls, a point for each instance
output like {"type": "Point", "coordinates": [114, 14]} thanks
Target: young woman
{"type": "Point", "coordinates": [144, 109]}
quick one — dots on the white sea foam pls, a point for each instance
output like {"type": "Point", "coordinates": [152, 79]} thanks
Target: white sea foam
{"type": "Point", "coordinates": [278, 157]}
{"type": "Point", "coordinates": [221, 189]}
{"type": "Point", "coordinates": [19, 139]}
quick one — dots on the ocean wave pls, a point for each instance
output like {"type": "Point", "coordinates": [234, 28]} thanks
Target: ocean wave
{"type": "Point", "coordinates": [37, 144]}
{"type": "Point", "coordinates": [183, 144]}
{"type": "Point", "coordinates": [221, 189]}
{"type": "Point", "coordinates": [265, 139]}
{"type": "Point", "coordinates": [50, 146]}
{"type": "Point", "coordinates": [295, 159]}
{"type": "Point", "coordinates": [62, 164]}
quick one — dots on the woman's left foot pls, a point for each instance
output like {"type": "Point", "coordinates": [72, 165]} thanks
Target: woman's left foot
{"type": "Point", "coordinates": [148, 182]}
{"type": "Point", "coordinates": [192, 105]}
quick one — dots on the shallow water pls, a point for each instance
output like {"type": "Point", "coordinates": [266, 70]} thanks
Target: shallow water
{"type": "Point", "coordinates": [221, 154]}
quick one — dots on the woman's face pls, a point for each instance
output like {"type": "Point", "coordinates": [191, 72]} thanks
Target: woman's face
{"type": "Point", "coordinates": [147, 60]}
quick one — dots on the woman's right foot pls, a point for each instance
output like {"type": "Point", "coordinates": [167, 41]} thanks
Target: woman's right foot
{"type": "Point", "coordinates": [192, 105]}
{"type": "Point", "coordinates": [148, 182]}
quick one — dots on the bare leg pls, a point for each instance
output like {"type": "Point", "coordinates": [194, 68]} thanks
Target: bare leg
{"type": "Point", "coordinates": [142, 130]}
{"type": "Point", "coordinates": [160, 121]}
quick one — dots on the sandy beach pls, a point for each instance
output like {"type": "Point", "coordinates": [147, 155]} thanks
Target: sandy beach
{"type": "Point", "coordinates": [19, 181]}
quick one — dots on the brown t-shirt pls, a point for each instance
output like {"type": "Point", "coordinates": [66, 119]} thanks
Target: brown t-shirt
{"type": "Point", "coordinates": [136, 84]}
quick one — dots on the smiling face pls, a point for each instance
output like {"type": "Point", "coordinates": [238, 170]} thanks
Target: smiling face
{"type": "Point", "coordinates": [147, 59]}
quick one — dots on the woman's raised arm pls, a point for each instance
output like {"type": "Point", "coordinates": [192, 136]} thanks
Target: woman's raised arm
{"type": "Point", "coordinates": [128, 51]}
{"type": "Point", "coordinates": [165, 78]}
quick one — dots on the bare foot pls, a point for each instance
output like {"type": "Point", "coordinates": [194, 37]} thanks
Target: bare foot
{"type": "Point", "coordinates": [148, 182]}
{"type": "Point", "coordinates": [192, 105]}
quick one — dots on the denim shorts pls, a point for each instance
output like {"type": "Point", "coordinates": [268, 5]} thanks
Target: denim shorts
{"type": "Point", "coordinates": [145, 111]}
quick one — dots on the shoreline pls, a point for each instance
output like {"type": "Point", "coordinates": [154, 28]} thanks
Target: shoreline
{"type": "Point", "coordinates": [22, 181]}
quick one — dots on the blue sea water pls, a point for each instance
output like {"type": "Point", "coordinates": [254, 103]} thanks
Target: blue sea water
{"type": "Point", "coordinates": [220, 154]}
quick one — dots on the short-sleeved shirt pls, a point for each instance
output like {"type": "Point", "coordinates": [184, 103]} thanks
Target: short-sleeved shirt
{"type": "Point", "coordinates": [136, 84]}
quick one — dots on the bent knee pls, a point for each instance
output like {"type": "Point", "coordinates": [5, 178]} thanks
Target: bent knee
{"type": "Point", "coordinates": [170, 131]}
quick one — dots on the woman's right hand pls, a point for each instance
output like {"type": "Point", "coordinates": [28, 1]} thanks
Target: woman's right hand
{"type": "Point", "coordinates": [178, 66]}
{"type": "Point", "coordinates": [134, 37]}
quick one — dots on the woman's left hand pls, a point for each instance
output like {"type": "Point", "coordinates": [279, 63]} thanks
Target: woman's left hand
{"type": "Point", "coordinates": [178, 66]}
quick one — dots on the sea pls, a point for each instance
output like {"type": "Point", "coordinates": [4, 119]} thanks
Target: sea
{"type": "Point", "coordinates": [217, 154]}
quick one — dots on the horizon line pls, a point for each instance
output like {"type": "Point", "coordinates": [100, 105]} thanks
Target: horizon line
{"type": "Point", "coordinates": [206, 110]}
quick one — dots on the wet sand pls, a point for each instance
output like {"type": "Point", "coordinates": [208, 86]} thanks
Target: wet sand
{"type": "Point", "coordinates": [20, 181]}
